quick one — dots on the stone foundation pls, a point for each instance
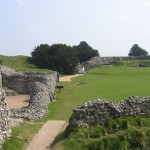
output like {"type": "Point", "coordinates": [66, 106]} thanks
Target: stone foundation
{"type": "Point", "coordinates": [40, 86]}
{"type": "Point", "coordinates": [94, 113]}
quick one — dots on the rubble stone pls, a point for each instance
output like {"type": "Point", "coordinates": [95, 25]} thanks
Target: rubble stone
{"type": "Point", "coordinates": [40, 86]}
{"type": "Point", "coordinates": [97, 112]}
{"type": "Point", "coordinates": [5, 130]}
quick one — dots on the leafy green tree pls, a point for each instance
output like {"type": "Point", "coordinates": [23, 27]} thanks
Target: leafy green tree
{"type": "Point", "coordinates": [85, 52]}
{"type": "Point", "coordinates": [39, 55]}
{"type": "Point", "coordinates": [137, 51]}
{"type": "Point", "coordinates": [58, 57]}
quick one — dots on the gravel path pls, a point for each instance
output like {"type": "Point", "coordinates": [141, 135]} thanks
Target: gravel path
{"type": "Point", "coordinates": [68, 78]}
{"type": "Point", "coordinates": [46, 135]}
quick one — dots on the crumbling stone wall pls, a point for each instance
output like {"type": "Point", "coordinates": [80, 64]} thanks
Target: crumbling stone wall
{"type": "Point", "coordinates": [38, 104]}
{"type": "Point", "coordinates": [22, 81]}
{"type": "Point", "coordinates": [97, 112]}
{"type": "Point", "coordinates": [98, 61]}
{"type": "Point", "coordinates": [40, 86]}
{"type": "Point", "coordinates": [5, 130]}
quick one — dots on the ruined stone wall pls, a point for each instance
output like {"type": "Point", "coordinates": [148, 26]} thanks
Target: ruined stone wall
{"type": "Point", "coordinates": [40, 86]}
{"type": "Point", "coordinates": [38, 104]}
{"type": "Point", "coordinates": [98, 61]}
{"type": "Point", "coordinates": [22, 81]}
{"type": "Point", "coordinates": [97, 112]}
{"type": "Point", "coordinates": [5, 130]}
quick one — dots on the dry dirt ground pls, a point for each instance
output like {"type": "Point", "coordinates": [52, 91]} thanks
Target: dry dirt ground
{"type": "Point", "coordinates": [18, 101]}
{"type": "Point", "coordinates": [44, 138]}
{"type": "Point", "coordinates": [46, 135]}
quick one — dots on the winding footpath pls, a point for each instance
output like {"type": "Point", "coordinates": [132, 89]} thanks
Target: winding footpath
{"type": "Point", "coordinates": [46, 135]}
{"type": "Point", "coordinates": [69, 77]}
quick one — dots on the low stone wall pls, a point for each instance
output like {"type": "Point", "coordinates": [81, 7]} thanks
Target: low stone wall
{"type": "Point", "coordinates": [40, 86]}
{"type": "Point", "coordinates": [38, 104]}
{"type": "Point", "coordinates": [5, 130]}
{"type": "Point", "coordinates": [22, 81]}
{"type": "Point", "coordinates": [98, 61]}
{"type": "Point", "coordinates": [94, 113]}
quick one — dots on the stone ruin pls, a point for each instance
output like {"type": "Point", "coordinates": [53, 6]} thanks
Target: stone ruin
{"type": "Point", "coordinates": [97, 112]}
{"type": "Point", "coordinates": [5, 130]}
{"type": "Point", "coordinates": [98, 61]}
{"type": "Point", "coordinates": [40, 87]}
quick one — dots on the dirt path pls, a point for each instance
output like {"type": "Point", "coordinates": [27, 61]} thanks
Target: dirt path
{"type": "Point", "coordinates": [69, 77]}
{"type": "Point", "coordinates": [46, 135]}
{"type": "Point", "coordinates": [44, 138]}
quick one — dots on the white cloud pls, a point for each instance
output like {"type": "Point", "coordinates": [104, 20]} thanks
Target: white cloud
{"type": "Point", "coordinates": [20, 2]}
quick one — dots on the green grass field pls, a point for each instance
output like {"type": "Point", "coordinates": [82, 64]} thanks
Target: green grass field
{"type": "Point", "coordinates": [20, 63]}
{"type": "Point", "coordinates": [115, 83]}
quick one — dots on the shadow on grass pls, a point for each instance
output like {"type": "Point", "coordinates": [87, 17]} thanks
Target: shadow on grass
{"type": "Point", "coordinates": [60, 137]}
{"type": "Point", "coordinates": [57, 139]}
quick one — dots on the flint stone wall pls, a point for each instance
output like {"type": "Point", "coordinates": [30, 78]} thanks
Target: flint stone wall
{"type": "Point", "coordinates": [38, 104]}
{"type": "Point", "coordinates": [98, 61]}
{"type": "Point", "coordinates": [40, 86]}
{"type": "Point", "coordinates": [97, 112]}
{"type": "Point", "coordinates": [5, 130]}
{"type": "Point", "coordinates": [22, 81]}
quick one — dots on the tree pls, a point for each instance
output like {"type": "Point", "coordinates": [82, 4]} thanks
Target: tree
{"type": "Point", "coordinates": [39, 55]}
{"type": "Point", "coordinates": [137, 51]}
{"type": "Point", "coordinates": [58, 57]}
{"type": "Point", "coordinates": [84, 52]}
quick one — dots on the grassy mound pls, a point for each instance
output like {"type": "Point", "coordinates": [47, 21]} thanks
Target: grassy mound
{"type": "Point", "coordinates": [20, 63]}
{"type": "Point", "coordinates": [116, 134]}
{"type": "Point", "coordinates": [133, 63]}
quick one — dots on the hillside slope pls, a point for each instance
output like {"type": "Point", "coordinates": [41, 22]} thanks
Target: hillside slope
{"type": "Point", "coordinates": [20, 63]}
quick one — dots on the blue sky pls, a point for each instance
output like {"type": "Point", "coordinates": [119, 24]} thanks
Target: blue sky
{"type": "Point", "coordinates": [110, 26]}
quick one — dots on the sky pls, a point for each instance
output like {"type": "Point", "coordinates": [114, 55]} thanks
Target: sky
{"type": "Point", "coordinates": [110, 26]}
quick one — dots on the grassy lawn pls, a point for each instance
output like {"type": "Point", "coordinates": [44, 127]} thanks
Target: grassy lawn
{"type": "Point", "coordinates": [20, 63]}
{"type": "Point", "coordinates": [115, 83]}
{"type": "Point", "coordinates": [22, 135]}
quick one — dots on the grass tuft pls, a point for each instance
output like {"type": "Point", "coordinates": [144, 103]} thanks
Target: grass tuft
{"type": "Point", "coordinates": [116, 134]}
